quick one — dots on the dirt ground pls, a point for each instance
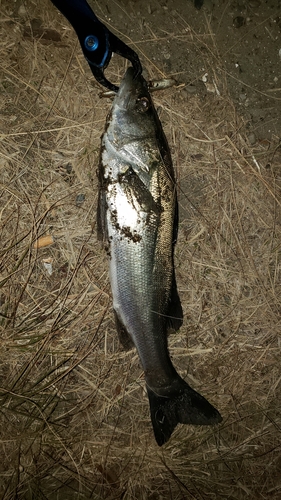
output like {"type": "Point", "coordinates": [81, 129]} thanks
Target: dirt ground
{"type": "Point", "coordinates": [74, 413]}
{"type": "Point", "coordinates": [240, 39]}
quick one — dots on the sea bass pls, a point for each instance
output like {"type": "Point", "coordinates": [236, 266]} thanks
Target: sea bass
{"type": "Point", "coordinates": [137, 222]}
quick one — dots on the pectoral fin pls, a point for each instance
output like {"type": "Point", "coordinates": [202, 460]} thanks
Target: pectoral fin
{"type": "Point", "coordinates": [137, 192]}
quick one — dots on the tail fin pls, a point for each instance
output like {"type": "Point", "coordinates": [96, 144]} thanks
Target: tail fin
{"type": "Point", "coordinates": [181, 405]}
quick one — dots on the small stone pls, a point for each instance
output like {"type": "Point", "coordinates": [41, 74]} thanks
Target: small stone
{"type": "Point", "coordinates": [239, 21]}
{"type": "Point", "coordinates": [252, 138]}
{"type": "Point", "coordinates": [22, 11]}
{"type": "Point", "coordinates": [242, 97]}
{"type": "Point", "coordinates": [190, 89]}
{"type": "Point", "coordinates": [166, 54]}
{"type": "Point", "coordinates": [80, 198]}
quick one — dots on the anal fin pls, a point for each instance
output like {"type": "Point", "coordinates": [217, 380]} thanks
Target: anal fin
{"type": "Point", "coordinates": [124, 337]}
{"type": "Point", "coordinates": [174, 311]}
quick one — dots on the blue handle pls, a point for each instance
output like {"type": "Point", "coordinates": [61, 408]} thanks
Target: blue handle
{"type": "Point", "coordinates": [92, 34]}
{"type": "Point", "coordinates": [73, 8]}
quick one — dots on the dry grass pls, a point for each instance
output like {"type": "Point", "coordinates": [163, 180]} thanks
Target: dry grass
{"type": "Point", "coordinates": [74, 415]}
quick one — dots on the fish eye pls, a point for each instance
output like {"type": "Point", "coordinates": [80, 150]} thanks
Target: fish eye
{"type": "Point", "coordinates": [142, 104]}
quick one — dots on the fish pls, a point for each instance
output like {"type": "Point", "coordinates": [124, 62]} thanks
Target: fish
{"type": "Point", "coordinates": [137, 223]}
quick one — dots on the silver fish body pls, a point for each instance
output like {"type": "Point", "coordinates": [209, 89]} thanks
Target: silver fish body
{"type": "Point", "coordinates": [137, 222]}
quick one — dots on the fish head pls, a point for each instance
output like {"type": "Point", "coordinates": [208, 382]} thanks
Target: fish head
{"type": "Point", "coordinates": [133, 112]}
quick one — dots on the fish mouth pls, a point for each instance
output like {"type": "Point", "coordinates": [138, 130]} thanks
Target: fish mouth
{"type": "Point", "coordinates": [131, 88]}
